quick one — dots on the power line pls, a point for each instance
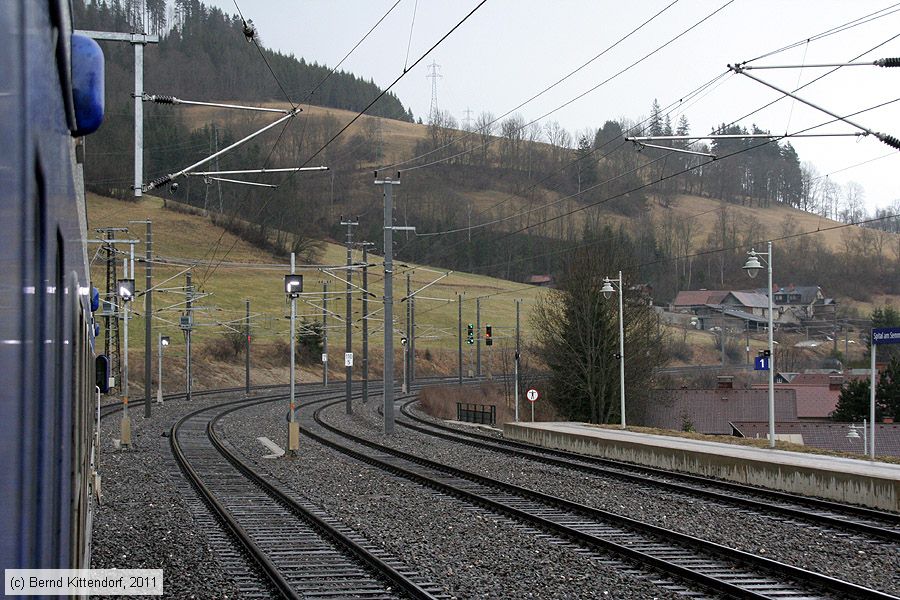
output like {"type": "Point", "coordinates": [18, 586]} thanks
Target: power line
{"type": "Point", "coordinates": [837, 29]}
{"type": "Point", "coordinates": [534, 97]}
{"type": "Point", "coordinates": [637, 188]}
{"type": "Point", "coordinates": [397, 80]}
{"type": "Point", "coordinates": [378, 97]}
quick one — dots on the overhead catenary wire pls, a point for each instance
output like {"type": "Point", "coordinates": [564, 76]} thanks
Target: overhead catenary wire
{"type": "Point", "coordinates": [456, 230]}
{"type": "Point", "coordinates": [396, 81]}
{"type": "Point", "coordinates": [310, 94]}
{"type": "Point", "coordinates": [538, 94]}
{"type": "Point", "coordinates": [637, 188]}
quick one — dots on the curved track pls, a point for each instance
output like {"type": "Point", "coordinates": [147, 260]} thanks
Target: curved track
{"type": "Point", "coordinates": [800, 509]}
{"type": "Point", "coordinates": [697, 565]}
{"type": "Point", "coordinates": [300, 549]}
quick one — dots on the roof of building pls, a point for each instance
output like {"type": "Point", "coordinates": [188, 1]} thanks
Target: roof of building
{"type": "Point", "coordinates": [828, 436]}
{"type": "Point", "coordinates": [539, 279]}
{"type": "Point", "coordinates": [814, 394]}
{"type": "Point", "coordinates": [740, 314]}
{"type": "Point", "coordinates": [699, 297]}
{"type": "Point", "coordinates": [751, 299]}
{"type": "Point", "coordinates": [808, 293]}
{"type": "Point", "coordinates": [711, 410]}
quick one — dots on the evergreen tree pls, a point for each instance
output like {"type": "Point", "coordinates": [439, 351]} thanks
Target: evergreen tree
{"type": "Point", "coordinates": [854, 402]}
{"type": "Point", "coordinates": [888, 389]}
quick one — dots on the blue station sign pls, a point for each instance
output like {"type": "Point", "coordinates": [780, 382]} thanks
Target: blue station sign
{"type": "Point", "coordinates": [886, 335]}
{"type": "Point", "coordinates": [762, 363]}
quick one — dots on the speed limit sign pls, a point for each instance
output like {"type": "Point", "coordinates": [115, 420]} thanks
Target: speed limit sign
{"type": "Point", "coordinates": [532, 395]}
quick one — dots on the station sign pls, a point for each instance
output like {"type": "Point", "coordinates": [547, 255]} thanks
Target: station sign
{"type": "Point", "coordinates": [886, 335]}
{"type": "Point", "coordinates": [762, 363]}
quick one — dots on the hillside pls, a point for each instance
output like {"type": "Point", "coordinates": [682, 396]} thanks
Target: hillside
{"type": "Point", "coordinates": [183, 236]}
{"type": "Point", "coordinates": [400, 139]}
{"type": "Point", "coordinates": [509, 199]}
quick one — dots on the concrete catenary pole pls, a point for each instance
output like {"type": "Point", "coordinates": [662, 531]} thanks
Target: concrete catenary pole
{"type": "Point", "coordinates": [293, 426]}
{"type": "Point", "coordinates": [325, 333]}
{"type": "Point", "coordinates": [148, 315]}
{"type": "Point", "coordinates": [518, 350]}
{"type": "Point", "coordinates": [365, 322]}
{"type": "Point", "coordinates": [247, 350]}
{"type": "Point", "coordinates": [348, 322]}
{"type": "Point", "coordinates": [388, 185]}
{"type": "Point", "coordinates": [406, 353]}
{"type": "Point", "coordinates": [189, 292]}
{"type": "Point", "coordinates": [459, 335]}
{"type": "Point", "coordinates": [412, 339]}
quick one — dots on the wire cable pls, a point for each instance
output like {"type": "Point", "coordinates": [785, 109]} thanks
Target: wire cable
{"type": "Point", "coordinates": [393, 83]}
{"type": "Point", "coordinates": [535, 96]}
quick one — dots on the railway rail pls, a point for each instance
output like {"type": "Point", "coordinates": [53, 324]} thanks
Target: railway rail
{"type": "Point", "coordinates": [800, 509]}
{"type": "Point", "coordinates": [698, 566]}
{"type": "Point", "coordinates": [301, 551]}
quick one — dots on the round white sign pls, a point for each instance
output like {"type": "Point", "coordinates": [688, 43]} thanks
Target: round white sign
{"type": "Point", "coordinates": [532, 395]}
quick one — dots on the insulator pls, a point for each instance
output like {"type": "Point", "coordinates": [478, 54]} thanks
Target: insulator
{"type": "Point", "coordinates": [890, 140]}
{"type": "Point", "coordinates": [888, 62]}
{"type": "Point", "coordinates": [163, 99]}
{"type": "Point", "coordinates": [160, 181]}
{"type": "Point", "coordinates": [249, 30]}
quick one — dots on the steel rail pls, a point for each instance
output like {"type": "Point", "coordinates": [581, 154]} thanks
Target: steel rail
{"type": "Point", "coordinates": [698, 485]}
{"type": "Point", "coordinates": [716, 551]}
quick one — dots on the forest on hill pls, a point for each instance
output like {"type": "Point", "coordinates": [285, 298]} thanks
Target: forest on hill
{"type": "Point", "coordinates": [503, 196]}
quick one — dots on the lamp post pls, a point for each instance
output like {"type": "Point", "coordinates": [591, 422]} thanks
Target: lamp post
{"type": "Point", "coordinates": [125, 291]}
{"type": "Point", "coordinates": [163, 342]}
{"type": "Point", "coordinates": [853, 435]}
{"type": "Point", "coordinates": [753, 266]}
{"type": "Point", "coordinates": [293, 286]}
{"type": "Point", "coordinates": [607, 291]}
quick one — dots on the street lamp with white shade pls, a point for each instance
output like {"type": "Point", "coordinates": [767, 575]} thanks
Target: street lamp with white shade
{"type": "Point", "coordinates": [125, 291]}
{"type": "Point", "coordinates": [163, 343]}
{"type": "Point", "coordinates": [607, 291]}
{"type": "Point", "coordinates": [753, 266]}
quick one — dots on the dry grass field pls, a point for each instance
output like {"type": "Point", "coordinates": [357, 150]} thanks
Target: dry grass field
{"type": "Point", "coordinates": [227, 271]}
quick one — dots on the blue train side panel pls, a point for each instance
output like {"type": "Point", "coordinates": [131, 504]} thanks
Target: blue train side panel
{"type": "Point", "coordinates": [45, 399]}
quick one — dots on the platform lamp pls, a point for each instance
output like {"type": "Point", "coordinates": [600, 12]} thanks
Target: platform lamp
{"type": "Point", "coordinates": [163, 342]}
{"type": "Point", "coordinates": [607, 291]}
{"type": "Point", "coordinates": [293, 287]}
{"type": "Point", "coordinates": [753, 266]}
{"type": "Point", "coordinates": [125, 291]}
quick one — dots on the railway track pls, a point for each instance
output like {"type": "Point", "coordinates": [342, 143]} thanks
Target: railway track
{"type": "Point", "coordinates": [301, 550]}
{"type": "Point", "coordinates": [805, 510]}
{"type": "Point", "coordinates": [698, 567]}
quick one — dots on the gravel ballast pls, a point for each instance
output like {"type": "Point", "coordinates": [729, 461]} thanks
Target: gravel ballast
{"type": "Point", "coordinates": [471, 552]}
{"type": "Point", "coordinates": [144, 521]}
{"type": "Point", "coordinates": [871, 564]}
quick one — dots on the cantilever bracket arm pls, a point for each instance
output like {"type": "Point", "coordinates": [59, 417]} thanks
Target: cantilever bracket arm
{"type": "Point", "coordinates": [890, 140]}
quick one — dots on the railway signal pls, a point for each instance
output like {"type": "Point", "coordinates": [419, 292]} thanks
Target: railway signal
{"type": "Point", "coordinates": [488, 340]}
{"type": "Point", "coordinates": [470, 336]}
{"type": "Point", "coordinates": [293, 287]}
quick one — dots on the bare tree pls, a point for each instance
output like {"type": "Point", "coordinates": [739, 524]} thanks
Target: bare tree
{"type": "Point", "coordinates": [484, 125]}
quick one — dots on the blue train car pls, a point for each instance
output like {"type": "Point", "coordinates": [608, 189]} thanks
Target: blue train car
{"type": "Point", "coordinates": [51, 87]}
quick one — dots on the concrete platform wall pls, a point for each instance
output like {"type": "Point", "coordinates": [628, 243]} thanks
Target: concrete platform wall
{"type": "Point", "coordinates": [867, 490]}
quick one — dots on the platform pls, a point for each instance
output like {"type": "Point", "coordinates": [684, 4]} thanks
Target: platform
{"type": "Point", "coordinates": [856, 481]}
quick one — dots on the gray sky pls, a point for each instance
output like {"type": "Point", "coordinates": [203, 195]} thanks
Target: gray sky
{"type": "Point", "coordinates": [511, 49]}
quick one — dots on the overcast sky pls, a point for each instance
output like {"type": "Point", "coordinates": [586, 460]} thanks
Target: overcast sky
{"type": "Point", "coordinates": [509, 50]}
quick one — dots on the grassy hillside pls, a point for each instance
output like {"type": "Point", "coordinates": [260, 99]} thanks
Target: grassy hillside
{"type": "Point", "coordinates": [230, 271]}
